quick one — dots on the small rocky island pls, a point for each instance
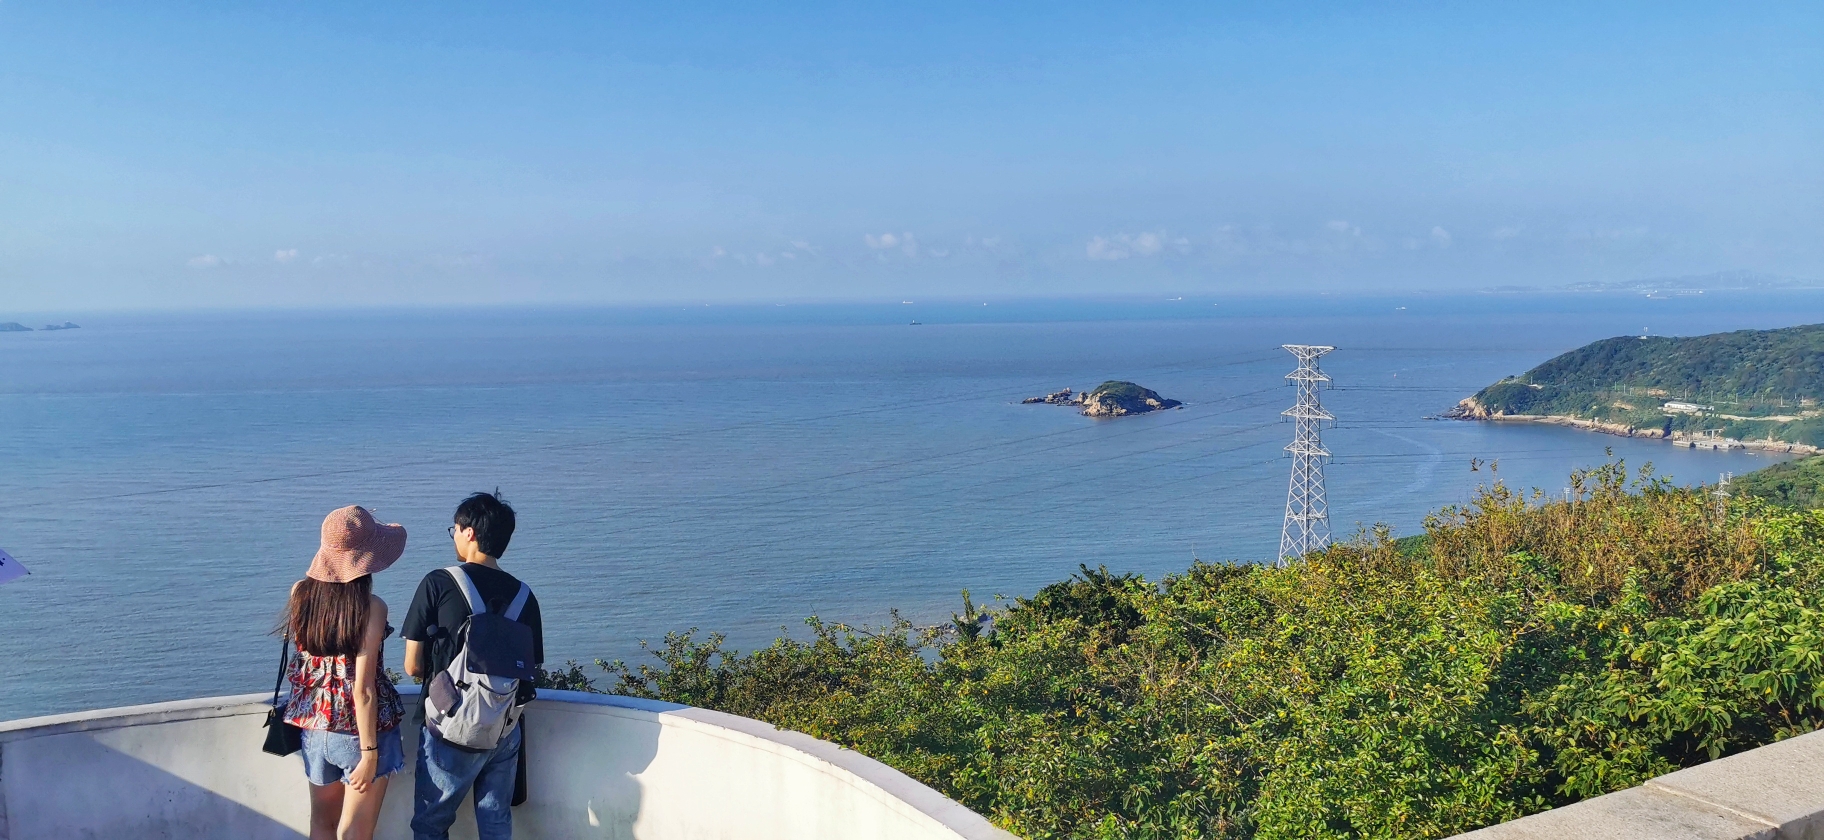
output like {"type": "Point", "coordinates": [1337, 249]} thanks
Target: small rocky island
{"type": "Point", "coordinates": [67, 325]}
{"type": "Point", "coordinates": [1110, 399]}
{"type": "Point", "coordinates": [14, 326]}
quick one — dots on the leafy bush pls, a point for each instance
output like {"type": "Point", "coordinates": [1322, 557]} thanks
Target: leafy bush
{"type": "Point", "coordinates": [1521, 654]}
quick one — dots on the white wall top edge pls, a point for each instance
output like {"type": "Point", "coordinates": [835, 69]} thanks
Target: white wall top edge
{"type": "Point", "coordinates": [890, 783]}
{"type": "Point", "coordinates": [175, 710]}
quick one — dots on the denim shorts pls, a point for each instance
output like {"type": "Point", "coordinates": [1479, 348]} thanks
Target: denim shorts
{"type": "Point", "coordinates": [330, 756]}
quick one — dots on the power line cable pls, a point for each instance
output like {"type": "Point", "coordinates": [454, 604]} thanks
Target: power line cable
{"type": "Point", "coordinates": [977, 502]}
{"type": "Point", "coordinates": [680, 520]}
{"type": "Point", "coordinates": [973, 503]}
{"type": "Point", "coordinates": [943, 456]}
{"type": "Point", "coordinates": [896, 406]}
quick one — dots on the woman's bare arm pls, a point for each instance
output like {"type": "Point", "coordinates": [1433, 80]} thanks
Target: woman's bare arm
{"type": "Point", "coordinates": [367, 709]}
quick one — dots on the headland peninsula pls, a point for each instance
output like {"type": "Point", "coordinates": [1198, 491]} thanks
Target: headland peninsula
{"type": "Point", "coordinates": [1748, 389]}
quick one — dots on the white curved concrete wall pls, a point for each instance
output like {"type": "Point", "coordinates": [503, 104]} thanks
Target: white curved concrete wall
{"type": "Point", "coordinates": [599, 767]}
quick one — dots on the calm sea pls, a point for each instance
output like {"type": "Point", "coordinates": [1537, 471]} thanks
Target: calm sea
{"type": "Point", "coordinates": [729, 468]}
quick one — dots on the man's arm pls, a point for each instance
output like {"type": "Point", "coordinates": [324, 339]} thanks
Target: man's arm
{"type": "Point", "coordinates": [414, 655]}
{"type": "Point", "coordinates": [415, 629]}
{"type": "Point", "coordinates": [538, 630]}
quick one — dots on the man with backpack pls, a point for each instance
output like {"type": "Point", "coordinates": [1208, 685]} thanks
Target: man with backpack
{"type": "Point", "coordinates": [474, 636]}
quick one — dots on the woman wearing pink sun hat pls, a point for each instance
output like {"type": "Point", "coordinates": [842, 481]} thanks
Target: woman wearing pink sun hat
{"type": "Point", "coordinates": [343, 701]}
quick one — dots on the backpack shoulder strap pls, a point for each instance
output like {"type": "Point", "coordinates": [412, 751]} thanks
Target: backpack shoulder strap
{"type": "Point", "coordinates": [476, 605]}
{"type": "Point", "coordinates": [519, 602]}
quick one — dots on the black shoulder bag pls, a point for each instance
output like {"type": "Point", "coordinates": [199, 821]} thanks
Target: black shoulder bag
{"type": "Point", "coordinates": [282, 738]}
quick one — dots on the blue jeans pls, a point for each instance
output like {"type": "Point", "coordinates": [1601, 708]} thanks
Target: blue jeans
{"type": "Point", "coordinates": [446, 774]}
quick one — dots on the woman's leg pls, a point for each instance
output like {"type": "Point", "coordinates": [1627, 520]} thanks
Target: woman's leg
{"type": "Point", "coordinates": [325, 810]}
{"type": "Point", "coordinates": [361, 812]}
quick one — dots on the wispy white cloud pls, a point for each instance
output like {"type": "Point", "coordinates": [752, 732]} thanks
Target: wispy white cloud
{"type": "Point", "coordinates": [1340, 235]}
{"type": "Point", "coordinates": [205, 261]}
{"type": "Point", "coordinates": [1611, 234]}
{"type": "Point", "coordinates": [1507, 232]}
{"type": "Point", "coordinates": [465, 259]}
{"type": "Point", "coordinates": [905, 242]}
{"type": "Point", "coordinates": [1230, 241]}
{"type": "Point", "coordinates": [1104, 249]}
{"type": "Point", "coordinates": [1121, 246]}
{"type": "Point", "coordinates": [285, 255]}
{"type": "Point", "coordinates": [1440, 237]}
{"type": "Point", "coordinates": [763, 258]}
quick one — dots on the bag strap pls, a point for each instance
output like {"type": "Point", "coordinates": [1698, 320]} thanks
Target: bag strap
{"type": "Point", "coordinates": [519, 602]}
{"type": "Point", "coordinates": [476, 605]}
{"type": "Point", "coordinates": [284, 659]}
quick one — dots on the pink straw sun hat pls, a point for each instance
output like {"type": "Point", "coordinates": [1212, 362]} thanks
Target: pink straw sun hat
{"type": "Point", "coordinates": [355, 545]}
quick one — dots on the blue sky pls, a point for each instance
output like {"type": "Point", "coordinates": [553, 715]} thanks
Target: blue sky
{"type": "Point", "coordinates": [285, 154]}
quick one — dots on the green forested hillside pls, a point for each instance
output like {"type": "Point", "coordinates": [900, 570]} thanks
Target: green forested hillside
{"type": "Point", "coordinates": [1522, 654]}
{"type": "Point", "coordinates": [1757, 377]}
{"type": "Point", "coordinates": [1797, 484]}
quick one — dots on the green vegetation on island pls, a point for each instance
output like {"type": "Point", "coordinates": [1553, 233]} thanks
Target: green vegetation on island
{"type": "Point", "coordinates": [1521, 654]}
{"type": "Point", "coordinates": [1113, 398]}
{"type": "Point", "coordinates": [1743, 385]}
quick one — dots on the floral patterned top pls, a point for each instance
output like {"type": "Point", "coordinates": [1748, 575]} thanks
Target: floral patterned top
{"type": "Point", "coordinates": [323, 693]}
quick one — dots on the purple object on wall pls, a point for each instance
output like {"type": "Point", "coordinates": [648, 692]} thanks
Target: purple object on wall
{"type": "Point", "coordinates": [10, 569]}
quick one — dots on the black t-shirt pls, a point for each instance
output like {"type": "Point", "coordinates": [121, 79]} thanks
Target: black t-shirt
{"type": "Point", "coordinates": [438, 611]}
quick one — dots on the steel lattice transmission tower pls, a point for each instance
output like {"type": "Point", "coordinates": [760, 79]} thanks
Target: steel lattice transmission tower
{"type": "Point", "coordinates": [1307, 526]}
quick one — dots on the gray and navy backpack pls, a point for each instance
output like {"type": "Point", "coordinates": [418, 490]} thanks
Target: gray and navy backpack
{"type": "Point", "coordinates": [474, 703]}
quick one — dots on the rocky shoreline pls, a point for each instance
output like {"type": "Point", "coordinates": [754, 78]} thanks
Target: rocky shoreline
{"type": "Point", "coordinates": [1471, 409]}
{"type": "Point", "coordinates": [1110, 399]}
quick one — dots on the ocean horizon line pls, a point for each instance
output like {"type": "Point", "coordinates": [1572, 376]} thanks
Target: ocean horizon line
{"type": "Point", "coordinates": [963, 309]}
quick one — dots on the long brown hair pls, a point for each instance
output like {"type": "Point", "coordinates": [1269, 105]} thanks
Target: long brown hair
{"type": "Point", "coordinates": [329, 619]}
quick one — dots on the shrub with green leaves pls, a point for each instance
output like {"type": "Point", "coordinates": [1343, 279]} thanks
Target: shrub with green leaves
{"type": "Point", "coordinates": [1520, 655]}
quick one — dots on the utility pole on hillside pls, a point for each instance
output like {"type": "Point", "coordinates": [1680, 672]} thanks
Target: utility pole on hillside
{"type": "Point", "coordinates": [1307, 525]}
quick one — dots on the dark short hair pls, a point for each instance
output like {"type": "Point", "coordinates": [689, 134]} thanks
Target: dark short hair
{"type": "Point", "coordinates": [492, 520]}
